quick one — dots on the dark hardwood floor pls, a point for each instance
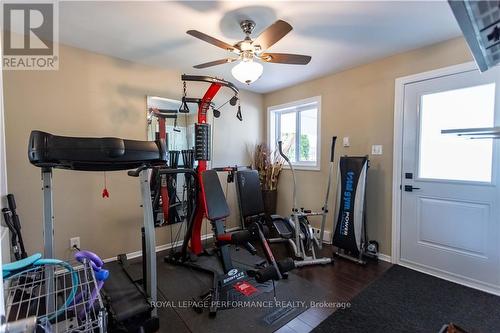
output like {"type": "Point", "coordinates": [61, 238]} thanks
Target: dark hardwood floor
{"type": "Point", "coordinates": [344, 279]}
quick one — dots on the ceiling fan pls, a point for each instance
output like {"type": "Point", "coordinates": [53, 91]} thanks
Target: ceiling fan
{"type": "Point", "coordinates": [248, 50]}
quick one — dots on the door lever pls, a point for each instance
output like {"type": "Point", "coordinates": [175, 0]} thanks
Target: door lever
{"type": "Point", "coordinates": [409, 188]}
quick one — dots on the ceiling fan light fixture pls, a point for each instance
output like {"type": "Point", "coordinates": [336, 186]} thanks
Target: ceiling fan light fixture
{"type": "Point", "coordinates": [247, 71]}
{"type": "Point", "coordinates": [246, 45]}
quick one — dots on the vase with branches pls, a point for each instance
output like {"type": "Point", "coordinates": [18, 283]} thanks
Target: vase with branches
{"type": "Point", "coordinates": [269, 165]}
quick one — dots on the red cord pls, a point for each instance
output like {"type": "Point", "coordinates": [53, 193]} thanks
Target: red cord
{"type": "Point", "coordinates": [105, 192]}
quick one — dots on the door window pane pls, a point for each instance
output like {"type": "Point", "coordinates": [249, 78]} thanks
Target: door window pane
{"type": "Point", "coordinates": [451, 157]}
{"type": "Point", "coordinates": [308, 135]}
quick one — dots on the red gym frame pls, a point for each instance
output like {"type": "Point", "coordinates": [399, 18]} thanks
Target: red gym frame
{"type": "Point", "coordinates": [203, 107]}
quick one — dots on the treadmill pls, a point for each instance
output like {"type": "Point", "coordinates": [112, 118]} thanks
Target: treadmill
{"type": "Point", "coordinates": [129, 304]}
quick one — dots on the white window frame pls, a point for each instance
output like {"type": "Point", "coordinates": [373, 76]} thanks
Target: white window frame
{"type": "Point", "coordinates": [292, 107]}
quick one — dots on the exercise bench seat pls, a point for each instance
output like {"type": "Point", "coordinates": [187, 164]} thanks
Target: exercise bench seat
{"type": "Point", "coordinates": [252, 204]}
{"type": "Point", "coordinates": [215, 200]}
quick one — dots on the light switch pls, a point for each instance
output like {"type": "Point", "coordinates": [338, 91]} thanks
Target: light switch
{"type": "Point", "coordinates": [377, 150]}
{"type": "Point", "coordinates": [345, 142]}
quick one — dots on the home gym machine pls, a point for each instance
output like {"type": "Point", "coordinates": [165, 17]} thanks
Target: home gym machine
{"type": "Point", "coordinates": [350, 211]}
{"type": "Point", "coordinates": [232, 283]}
{"type": "Point", "coordinates": [130, 305]}
{"type": "Point", "coordinates": [298, 232]}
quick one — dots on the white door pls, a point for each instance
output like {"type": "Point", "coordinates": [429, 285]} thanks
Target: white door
{"type": "Point", "coordinates": [450, 214]}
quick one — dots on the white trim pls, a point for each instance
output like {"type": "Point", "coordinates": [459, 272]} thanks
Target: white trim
{"type": "Point", "coordinates": [459, 279]}
{"type": "Point", "coordinates": [384, 257]}
{"type": "Point", "coordinates": [163, 247]}
{"type": "Point", "coordinates": [270, 140]}
{"type": "Point", "coordinates": [398, 143]}
{"type": "Point", "coordinates": [4, 246]}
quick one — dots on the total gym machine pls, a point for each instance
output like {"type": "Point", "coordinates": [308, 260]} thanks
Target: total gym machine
{"type": "Point", "coordinates": [350, 211]}
{"type": "Point", "coordinates": [233, 283]}
{"type": "Point", "coordinates": [298, 232]}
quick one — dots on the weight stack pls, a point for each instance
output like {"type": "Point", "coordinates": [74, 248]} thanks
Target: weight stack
{"type": "Point", "coordinates": [202, 142]}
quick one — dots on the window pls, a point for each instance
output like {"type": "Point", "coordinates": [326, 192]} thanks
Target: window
{"type": "Point", "coordinates": [449, 156]}
{"type": "Point", "coordinates": [296, 124]}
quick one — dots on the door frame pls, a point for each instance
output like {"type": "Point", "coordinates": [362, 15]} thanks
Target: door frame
{"type": "Point", "coordinates": [397, 173]}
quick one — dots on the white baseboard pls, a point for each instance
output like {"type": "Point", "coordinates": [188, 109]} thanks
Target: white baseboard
{"type": "Point", "coordinates": [462, 280]}
{"type": "Point", "coordinates": [384, 257]}
{"type": "Point", "coordinates": [163, 247]}
{"type": "Point", "coordinates": [327, 237]}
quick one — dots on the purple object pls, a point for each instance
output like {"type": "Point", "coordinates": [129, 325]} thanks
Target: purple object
{"type": "Point", "coordinates": [94, 259]}
{"type": "Point", "coordinates": [100, 274]}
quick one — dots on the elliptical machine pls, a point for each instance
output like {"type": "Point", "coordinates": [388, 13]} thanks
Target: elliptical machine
{"type": "Point", "coordinates": [303, 240]}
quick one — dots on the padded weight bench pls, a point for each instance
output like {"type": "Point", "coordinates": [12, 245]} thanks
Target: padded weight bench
{"type": "Point", "coordinates": [252, 205]}
{"type": "Point", "coordinates": [234, 284]}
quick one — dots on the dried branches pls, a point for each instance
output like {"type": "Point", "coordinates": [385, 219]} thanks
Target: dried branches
{"type": "Point", "coordinates": [269, 165]}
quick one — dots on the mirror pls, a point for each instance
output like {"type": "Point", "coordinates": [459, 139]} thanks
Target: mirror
{"type": "Point", "coordinates": [179, 132]}
{"type": "Point", "coordinates": [179, 126]}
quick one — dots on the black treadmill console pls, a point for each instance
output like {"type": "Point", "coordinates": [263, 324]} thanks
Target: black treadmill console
{"type": "Point", "coordinates": [93, 154]}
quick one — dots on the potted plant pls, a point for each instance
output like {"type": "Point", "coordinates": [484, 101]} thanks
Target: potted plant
{"type": "Point", "coordinates": [269, 165]}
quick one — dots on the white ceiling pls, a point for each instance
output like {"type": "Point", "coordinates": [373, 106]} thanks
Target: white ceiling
{"type": "Point", "coordinates": [338, 35]}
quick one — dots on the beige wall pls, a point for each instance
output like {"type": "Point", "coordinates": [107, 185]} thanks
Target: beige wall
{"type": "Point", "coordinates": [96, 95]}
{"type": "Point", "coordinates": [359, 103]}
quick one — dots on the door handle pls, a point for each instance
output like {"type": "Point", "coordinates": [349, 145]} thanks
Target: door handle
{"type": "Point", "coordinates": [410, 188]}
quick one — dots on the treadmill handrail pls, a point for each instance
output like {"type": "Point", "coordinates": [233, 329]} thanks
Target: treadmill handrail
{"type": "Point", "coordinates": [136, 172]}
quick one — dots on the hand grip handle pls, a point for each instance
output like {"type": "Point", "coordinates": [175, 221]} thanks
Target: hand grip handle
{"type": "Point", "coordinates": [265, 274]}
{"type": "Point", "coordinates": [237, 237]}
{"type": "Point", "coordinates": [269, 272]}
{"type": "Point", "coordinates": [332, 152]}
{"type": "Point", "coordinates": [280, 149]}
{"type": "Point", "coordinates": [11, 202]}
{"type": "Point", "coordinates": [286, 265]}
{"type": "Point", "coordinates": [136, 172]}
{"type": "Point", "coordinates": [8, 219]}
{"type": "Point", "coordinates": [238, 114]}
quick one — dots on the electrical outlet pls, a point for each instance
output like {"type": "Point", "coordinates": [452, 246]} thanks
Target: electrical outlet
{"type": "Point", "coordinates": [345, 142]}
{"type": "Point", "coordinates": [377, 150]}
{"type": "Point", "coordinates": [326, 235]}
{"type": "Point", "coordinates": [74, 242]}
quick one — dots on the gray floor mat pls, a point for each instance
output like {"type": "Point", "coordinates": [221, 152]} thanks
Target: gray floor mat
{"type": "Point", "coordinates": [177, 284]}
{"type": "Point", "coordinates": [403, 300]}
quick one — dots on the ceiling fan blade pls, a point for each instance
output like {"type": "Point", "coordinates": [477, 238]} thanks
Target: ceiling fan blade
{"type": "Point", "coordinates": [214, 63]}
{"type": "Point", "coordinates": [285, 58]}
{"type": "Point", "coordinates": [211, 40]}
{"type": "Point", "coordinates": [272, 34]}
